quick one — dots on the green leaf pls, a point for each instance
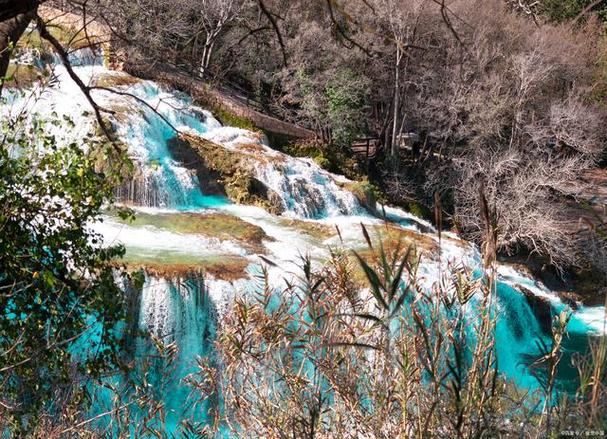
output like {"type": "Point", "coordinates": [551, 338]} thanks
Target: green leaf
{"type": "Point", "coordinates": [374, 282]}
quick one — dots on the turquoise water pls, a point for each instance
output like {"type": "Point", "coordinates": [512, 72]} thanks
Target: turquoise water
{"type": "Point", "coordinates": [518, 333]}
{"type": "Point", "coordinates": [182, 311]}
{"type": "Point", "coordinates": [170, 185]}
{"type": "Point", "coordinates": [181, 317]}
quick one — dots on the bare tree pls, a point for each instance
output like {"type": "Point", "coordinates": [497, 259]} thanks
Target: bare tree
{"type": "Point", "coordinates": [402, 20]}
{"type": "Point", "coordinates": [215, 15]}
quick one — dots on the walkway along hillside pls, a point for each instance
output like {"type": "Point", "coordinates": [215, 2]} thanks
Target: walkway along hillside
{"type": "Point", "coordinates": [217, 99]}
{"type": "Point", "coordinates": [221, 99]}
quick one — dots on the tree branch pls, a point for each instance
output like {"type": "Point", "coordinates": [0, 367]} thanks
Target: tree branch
{"type": "Point", "coordinates": [138, 99]}
{"type": "Point", "coordinates": [272, 20]}
{"type": "Point", "coordinates": [86, 90]}
{"type": "Point", "coordinates": [585, 11]}
{"type": "Point", "coordinates": [342, 32]}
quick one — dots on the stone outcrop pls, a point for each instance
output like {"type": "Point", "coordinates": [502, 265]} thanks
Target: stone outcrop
{"type": "Point", "coordinates": [224, 172]}
{"type": "Point", "coordinates": [540, 307]}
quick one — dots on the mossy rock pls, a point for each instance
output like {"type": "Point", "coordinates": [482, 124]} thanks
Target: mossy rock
{"type": "Point", "coordinates": [366, 193]}
{"type": "Point", "coordinates": [322, 161]}
{"type": "Point", "coordinates": [419, 210]}
{"type": "Point", "coordinates": [70, 38]}
{"type": "Point", "coordinates": [226, 172]}
{"type": "Point", "coordinates": [224, 267]}
{"type": "Point", "coordinates": [318, 231]}
{"type": "Point", "coordinates": [214, 225]}
{"type": "Point", "coordinates": [305, 148]}
{"type": "Point", "coordinates": [22, 76]}
{"type": "Point", "coordinates": [115, 80]}
{"type": "Point", "coordinates": [239, 187]}
{"type": "Point", "coordinates": [279, 141]}
{"type": "Point", "coordinates": [589, 285]}
{"type": "Point", "coordinates": [230, 119]}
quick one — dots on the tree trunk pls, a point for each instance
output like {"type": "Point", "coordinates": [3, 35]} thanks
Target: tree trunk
{"type": "Point", "coordinates": [11, 29]}
{"type": "Point", "coordinates": [489, 246]}
{"type": "Point", "coordinates": [11, 8]}
{"type": "Point", "coordinates": [394, 148]}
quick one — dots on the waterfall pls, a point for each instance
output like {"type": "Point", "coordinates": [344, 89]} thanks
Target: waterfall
{"type": "Point", "coordinates": [178, 306]}
{"type": "Point", "coordinates": [176, 311]}
{"type": "Point", "coordinates": [305, 190]}
{"type": "Point", "coordinates": [180, 319]}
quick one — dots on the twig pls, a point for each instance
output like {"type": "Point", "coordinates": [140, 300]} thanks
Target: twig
{"type": "Point", "coordinates": [138, 99]}
{"type": "Point", "coordinates": [585, 11]}
{"type": "Point", "coordinates": [342, 32]}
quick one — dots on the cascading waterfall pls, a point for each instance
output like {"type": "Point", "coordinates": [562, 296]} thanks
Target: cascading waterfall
{"type": "Point", "coordinates": [178, 318]}
{"type": "Point", "coordinates": [160, 181]}
{"type": "Point", "coordinates": [303, 188]}
{"type": "Point", "coordinates": [309, 193]}
{"type": "Point", "coordinates": [176, 311]}
{"type": "Point", "coordinates": [181, 308]}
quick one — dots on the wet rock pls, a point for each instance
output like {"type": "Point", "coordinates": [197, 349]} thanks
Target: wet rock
{"type": "Point", "coordinates": [224, 172]}
{"type": "Point", "coordinates": [307, 196]}
{"type": "Point", "coordinates": [541, 307]}
{"type": "Point", "coordinates": [190, 158]}
{"type": "Point", "coordinates": [365, 193]}
{"type": "Point", "coordinates": [571, 299]}
{"type": "Point", "coordinates": [228, 268]}
{"type": "Point", "coordinates": [140, 190]}
{"type": "Point", "coordinates": [212, 225]}
{"type": "Point", "coordinates": [275, 202]}
{"type": "Point", "coordinates": [586, 286]}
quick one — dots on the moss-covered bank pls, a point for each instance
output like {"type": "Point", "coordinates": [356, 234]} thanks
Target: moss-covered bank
{"type": "Point", "coordinates": [225, 172]}
{"type": "Point", "coordinates": [212, 225]}
{"type": "Point", "coordinates": [171, 265]}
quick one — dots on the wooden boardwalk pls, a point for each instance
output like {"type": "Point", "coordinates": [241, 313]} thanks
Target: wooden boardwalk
{"type": "Point", "coordinates": [366, 149]}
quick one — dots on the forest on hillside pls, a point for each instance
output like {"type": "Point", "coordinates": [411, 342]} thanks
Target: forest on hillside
{"type": "Point", "coordinates": [361, 218]}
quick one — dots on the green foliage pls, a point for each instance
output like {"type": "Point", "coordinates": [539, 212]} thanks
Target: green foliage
{"type": "Point", "coordinates": [366, 193]}
{"type": "Point", "coordinates": [57, 287]}
{"type": "Point", "coordinates": [563, 10]}
{"type": "Point", "coordinates": [347, 98]}
{"type": "Point", "coordinates": [278, 141]}
{"type": "Point", "coordinates": [230, 119]}
{"type": "Point", "coordinates": [339, 103]}
{"type": "Point", "coordinates": [419, 210]}
{"type": "Point", "coordinates": [322, 161]}
{"type": "Point", "coordinates": [329, 158]}
{"type": "Point", "coordinates": [22, 76]}
{"type": "Point", "coordinates": [310, 149]}
{"type": "Point", "coordinates": [311, 101]}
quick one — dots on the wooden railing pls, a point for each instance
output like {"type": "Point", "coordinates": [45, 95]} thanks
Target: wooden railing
{"type": "Point", "coordinates": [366, 149]}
